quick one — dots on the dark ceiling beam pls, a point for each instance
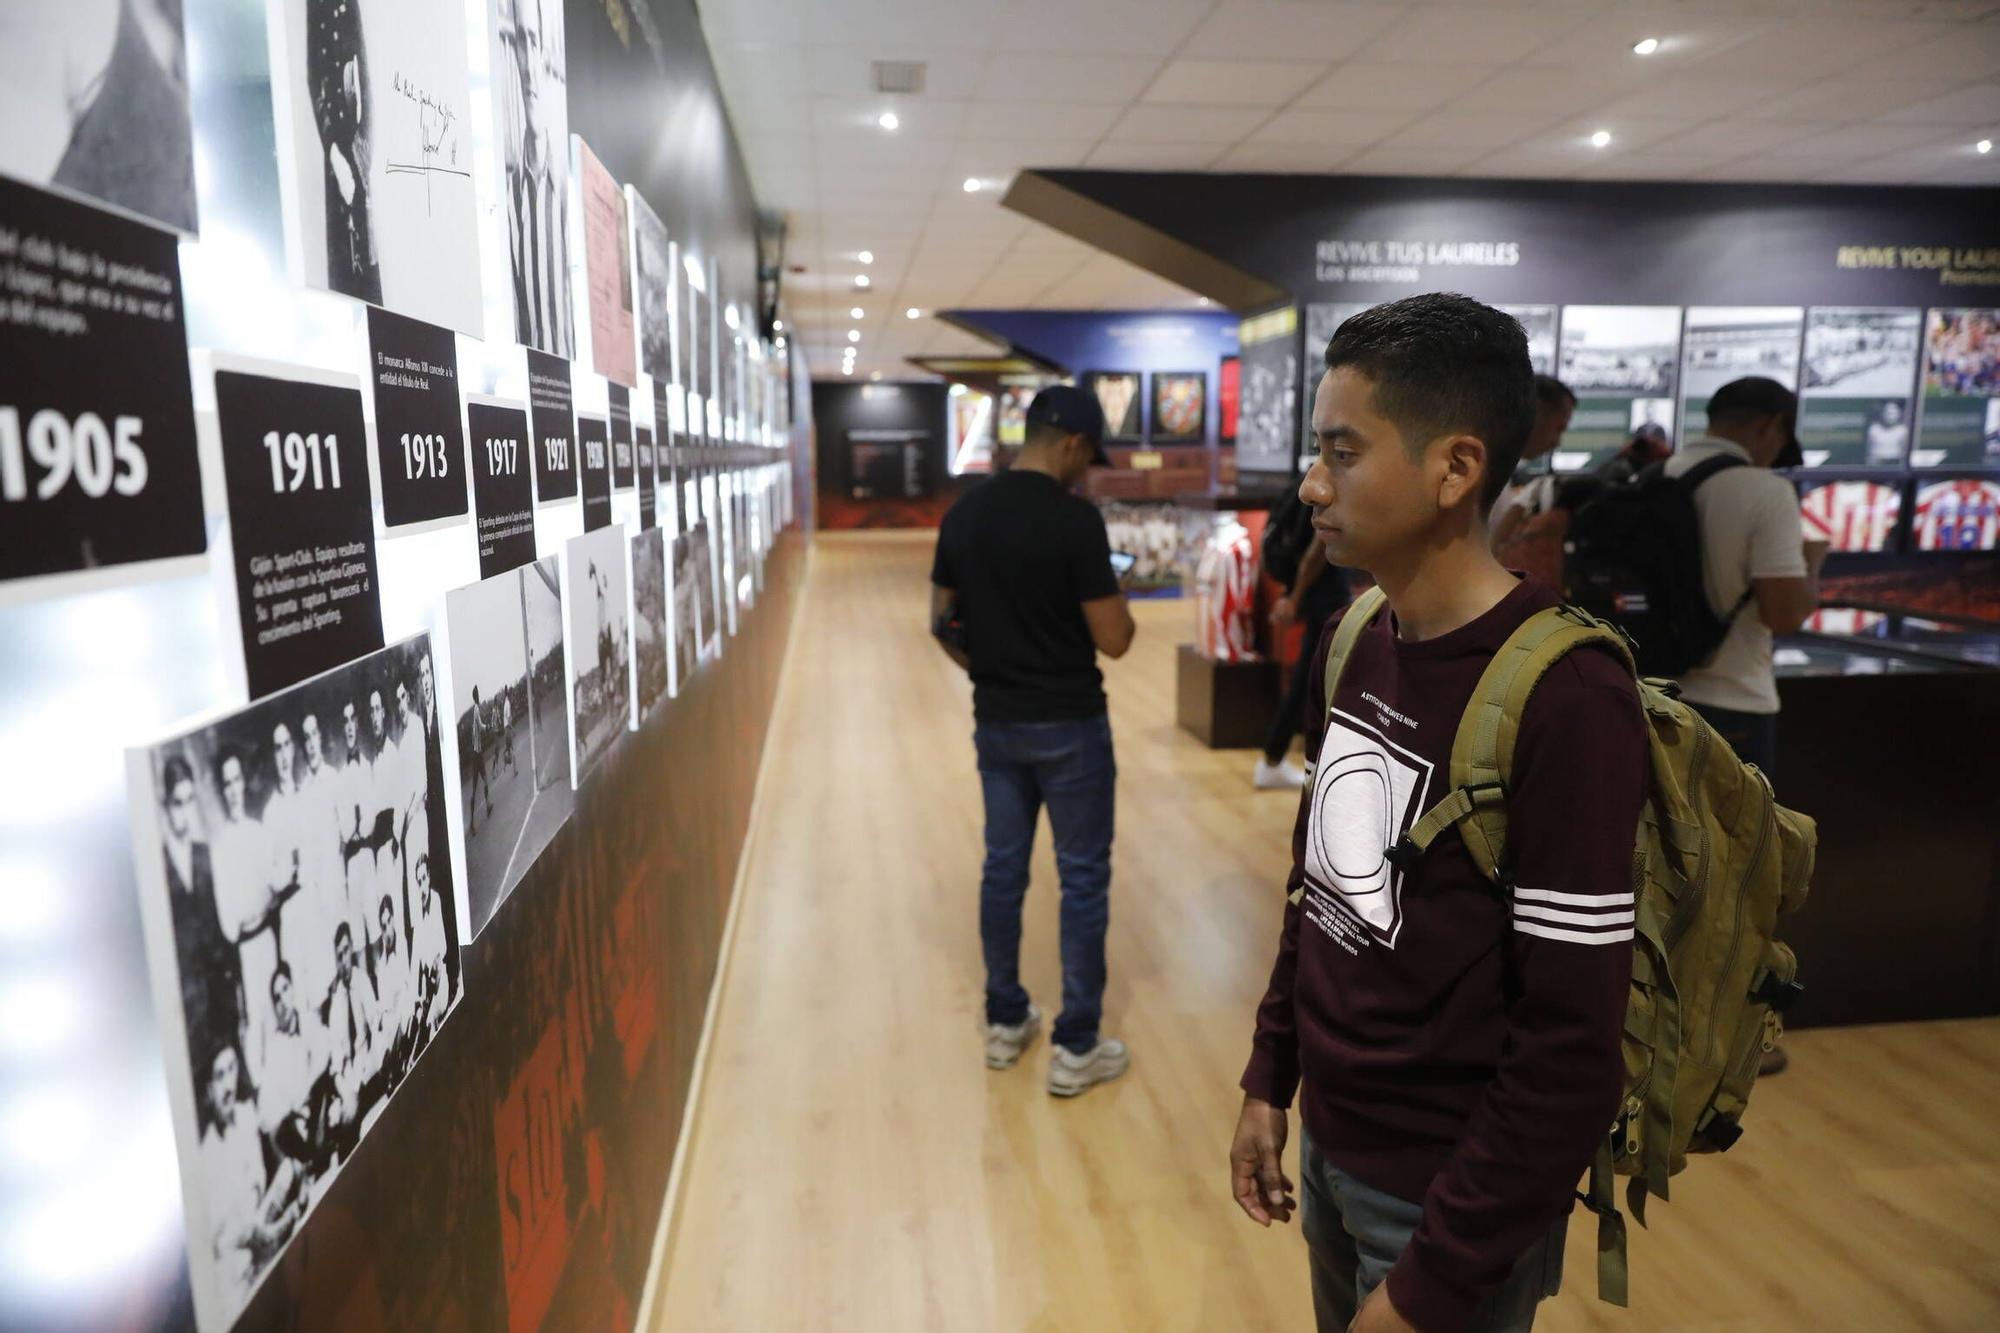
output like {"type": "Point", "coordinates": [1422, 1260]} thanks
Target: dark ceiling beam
{"type": "Point", "coordinates": [1082, 218]}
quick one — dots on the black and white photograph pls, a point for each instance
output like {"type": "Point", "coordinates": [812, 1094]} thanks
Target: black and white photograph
{"type": "Point", "coordinates": [99, 467]}
{"type": "Point", "coordinates": [94, 95]}
{"type": "Point", "coordinates": [1323, 319]}
{"type": "Point", "coordinates": [303, 938]}
{"type": "Point", "coordinates": [597, 596]}
{"type": "Point", "coordinates": [649, 624]}
{"type": "Point", "coordinates": [531, 110]}
{"type": "Point", "coordinates": [1627, 350]}
{"type": "Point", "coordinates": [301, 519]}
{"type": "Point", "coordinates": [1268, 411]}
{"type": "Point", "coordinates": [649, 486]}
{"type": "Point", "coordinates": [653, 267]}
{"type": "Point", "coordinates": [686, 609]}
{"type": "Point", "coordinates": [1724, 343]}
{"type": "Point", "coordinates": [1539, 323]}
{"type": "Point", "coordinates": [375, 149]}
{"type": "Point", "coordinates": [503, 500]}
{"type": "Point", "coordinates": [552, 418]}
{"type": "Point", "coordinates": [505, 645]}
{"type": "Point", "coordinates": [1857, 385]}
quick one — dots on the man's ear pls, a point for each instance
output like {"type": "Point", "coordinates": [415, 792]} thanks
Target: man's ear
{"type": "Point", "coordinates": [1464, 473]}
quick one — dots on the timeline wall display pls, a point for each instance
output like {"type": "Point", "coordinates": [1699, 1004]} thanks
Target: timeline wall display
{"type": "Point", "coordinates": [593, 448]}
{"type": "Point", "coordinates": [652, 268]}
{"type": "Point", "coordinates": [690, 560]}
{"type": "Point", "coordinates": [623, 465]}
{"type": "Point", "coordinates": [1117, 392]}
{"type": "Point", "coordinates": [1958, 515]}
{"type": "Point", "coordinates": [1961, 413]}
{"type": "Point", "coordinates": [597, 601]}
{"type": "Point", "coordinates": [1323, 320]}
{"type": "Point", "coordinates": [1268, 421]}
{"type": "Point", "coordinates": [302, 938]}
{"type": "Point", "coordinates": [1622, 364]}
{"type": "Point", "coordinates": [94, 96]}
{"type": "Point", "coordinates": [531, 111]}
{"type": "Point", "coordinates": [375, 155]}
{"type": "Point", "coordinates": [503, 639]}
{"type": "Point", "coordinates": [649, 624]}
{"type": "Point", "coordinates": [1180, 406]}
{"type": "Point", "coordinates": [1856, 381]}
{"type": "Point", "coordinates": [503, 497]}
{"type": "Point", "coordinates": [1852, 516]}
{"type": "Point", "coordinates": [1724, 343]}
{"type": "Point", "coordinates": [552, 418]}
{"type": "Point", "coordinates": [419, 436]}
{"type": "Point", "coordinates": [642, 449]}
{"type": "Point", "coordinates": [98, 461]}
{"type": "Point", "coordinates": [607, 230]}
{"type": "Point", "coordinates": [302, 530]}
{"type": "Point", "coordinates": [1539, 323]}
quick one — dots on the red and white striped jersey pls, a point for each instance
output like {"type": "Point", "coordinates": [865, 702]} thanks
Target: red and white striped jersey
{"type": "Point", "coordinates": [1226, 596]}
{"type": "Point", "coordinates": [1958, 516]}
{"type": "Point", "coordinates": [1852, 515]}
{"type": "Point", "coordinates": [1844, 620]}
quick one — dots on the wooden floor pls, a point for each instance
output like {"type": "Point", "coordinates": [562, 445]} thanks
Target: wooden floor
{"type": "Point", "coordinates": [854, 1165]}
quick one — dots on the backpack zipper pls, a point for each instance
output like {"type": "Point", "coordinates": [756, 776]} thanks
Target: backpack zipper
{"type": "Point", "coordinates": [1736, 935]}
{"type": "Point", "coordinates": [1684, 911]}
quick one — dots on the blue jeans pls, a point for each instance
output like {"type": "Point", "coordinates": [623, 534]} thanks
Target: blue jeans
{"type": "Point", "coordinates": [1069, 767]}
{"type": "Point", "coordinates": [1355, 1233]}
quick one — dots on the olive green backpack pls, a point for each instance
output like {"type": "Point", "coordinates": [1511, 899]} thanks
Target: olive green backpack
{"type": "Point", "coordinates": [1716, 862]}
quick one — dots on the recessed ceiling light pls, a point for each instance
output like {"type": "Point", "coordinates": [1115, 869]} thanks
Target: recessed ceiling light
{"type": "Point", "coordinates": [861, 280]}
{"type": "Point", "coordinates": [1983, 146]}
{"type": "Point", "coordinates": [875, 376]}
{"type": "Point", "coordinates": [1600, 139]}
{"type": "Point", "coordinates": [1645, 46]}
{"type": "Point", "coordinates": [912, 313]}
{"type": "Point", "coordinates": [857, 312]}
{"type": "Point", "coordinates": [847, 370]}
{"type": "Point", "coordinates": [972, 185]}
{"type": "Point", "coordinates": [888, 120]}
{"type": "Point", "coordinates": [854, 335]}
{"type": "Point", "coordinates": [778, 325]}
{"type": "Point", "coordinates": [1202, 300]}
{"type": "Point", "coordinates": [866, 256]}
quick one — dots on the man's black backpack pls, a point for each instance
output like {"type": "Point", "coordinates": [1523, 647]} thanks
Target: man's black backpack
{"type": "Point", "coordinates": [1633, 558]}
{"type": "Point", "coordinates": [1286, 536]}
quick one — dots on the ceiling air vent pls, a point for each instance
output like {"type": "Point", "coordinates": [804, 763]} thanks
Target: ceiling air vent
{"type": "Point", "coordinates": [899, 76]}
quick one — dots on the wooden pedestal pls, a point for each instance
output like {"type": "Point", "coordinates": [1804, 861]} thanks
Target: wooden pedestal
{"type": "Point", "coordinates": [1228, 705]}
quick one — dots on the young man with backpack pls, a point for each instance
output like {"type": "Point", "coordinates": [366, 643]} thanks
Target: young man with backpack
{"type": "Point", "coordinates": [1455, 1043]}
{"type": "Point", "coordinates": [1527, 524]}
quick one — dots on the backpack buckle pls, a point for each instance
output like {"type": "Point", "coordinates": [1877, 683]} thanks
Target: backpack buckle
{"type": "Point", "coordinates": [1404, 855]}
{"type": "Point", "coordinates": [1778, 995]}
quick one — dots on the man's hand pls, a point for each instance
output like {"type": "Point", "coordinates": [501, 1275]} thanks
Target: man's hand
{"type": "Point", "coordinates": [1379, 1314]}
{"type": "Point", "coordinates": [1284, 611]}
{"type": "Point", "coordinates": [1256, 1170]}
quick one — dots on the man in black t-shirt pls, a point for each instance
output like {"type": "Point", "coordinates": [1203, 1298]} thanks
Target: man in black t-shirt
{"type": "Point", "coordinates": [1024, 598]}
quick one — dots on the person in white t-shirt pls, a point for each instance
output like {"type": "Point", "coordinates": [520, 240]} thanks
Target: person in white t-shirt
{"type": "Point", "coordinates": [1762, 574]}
{"type": "Point", "coordinates": [1555, 404]}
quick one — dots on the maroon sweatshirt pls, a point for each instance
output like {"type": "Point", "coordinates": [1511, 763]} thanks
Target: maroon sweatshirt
{"type": "Point", "coordinates": [1458, 1039]}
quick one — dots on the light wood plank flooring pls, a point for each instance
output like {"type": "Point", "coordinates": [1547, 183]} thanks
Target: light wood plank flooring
{"type": "Point", "coordinates": [854, 1165]}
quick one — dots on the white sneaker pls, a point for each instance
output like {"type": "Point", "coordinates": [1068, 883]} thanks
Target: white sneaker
{"type": "Point", "coordinates": [1005, 1044]}
{"type": "Point", "coordinates": [1070, 1074]}
{"type": "Point", "coordinates": [1281, 776]}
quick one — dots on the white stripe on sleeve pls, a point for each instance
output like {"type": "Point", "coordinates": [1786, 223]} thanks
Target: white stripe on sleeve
{"type": "Point", "coordinates": [1560, 918]}
{"type": "Point", "coordinates": [1622, 898]}
{"type": "Point", "coordinates": [1574, 936]}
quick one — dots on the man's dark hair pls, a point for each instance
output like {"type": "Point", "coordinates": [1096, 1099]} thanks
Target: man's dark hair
{"type": "Point", "coordinates": [1552, 392]}
{"type": "Point", "coordinates": [1442, 362]}
{"type": "Point", "coordinates": [222, 758]}
{"type": "Point", "coordinates": [283, 969]}
{"type": "Point", "coordinates": [173, 773]}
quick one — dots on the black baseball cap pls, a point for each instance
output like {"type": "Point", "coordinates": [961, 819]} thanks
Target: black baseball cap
{"type": "Point", "coordinates": [1072, 411]}
{"type": "Point", "coordinates": [1756, 395]}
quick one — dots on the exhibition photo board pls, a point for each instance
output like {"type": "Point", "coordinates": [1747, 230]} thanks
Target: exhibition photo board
{"type": "Point", "coordinates": [1856, 396]}
{"type": "Point", "coordinates": [1622, 363]}
{"type": "Point", "coordinates": [1268, 420]}
{"type": "Point", "coordinates": [531, 111]}
{"type": "Point", "coordinates": [597, 607]}
{"type": "Point", "coordinates": [302, 935]}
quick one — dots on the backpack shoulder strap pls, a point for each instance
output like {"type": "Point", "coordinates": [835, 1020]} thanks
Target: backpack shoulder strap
{"type": "Point", "coordinates": [1360, 614]}
{"type": "Point", "coordinates": [1706, 468]}
{"type": "Point", "coordinates": [1482, 753]}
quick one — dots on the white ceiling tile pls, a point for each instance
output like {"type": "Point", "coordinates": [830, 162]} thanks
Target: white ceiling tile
{"type": "Point", "coordinates": [1186, 124]}
{"type": "Point", "coordinates": [848, 71]}
{"type": "Point", "coordinates": [754, 20]}
{"type": "Point", "coordinates": [1328, 128]}
{"type": "Point", "coordinates": [1686, 38]}
{"type": "Point", "coordinates": [1460, 35]}
{"type": "Point", "coordinates": [1527, 164]}
{"type": "Point", "coordinates": [1816, 45]}
{"type": "Point", "coordinates": [1003, 120]}
{"type": "Point", "coordinates": [1855, 142]}
{"type": "Point", "coordinates": [1771, 167]}
{"type": "Point", "coordinates": [1099, 80]}
{"type": "Point", "coordinates": [1694, 96]}
{"type": "Point", "coordinates": [1153, 156]}
{"type": "Point", "coordinates": [1383, 160]}
{"type": "Point", "coordinates": [1645, 167]}
{"type": "Point", "coordinates": [1962, 55]}
{"type": "Point", "coordinates": [939, 118]}
{"type": "Point", "coordinates": [1552, 91]}
{"type": "Point", "coordinates": [1735, 137]}
{"type": "Point", "coordinates": [924, 25]}
{"type": "Point", "coordinates": [1001, 160]}
{"type": "Point", "coordinates": [1233, 82]}
{"type": "Point", "coordinates": [1368, 86]}
{"type": "Point", "coordinates": [1288, 157]}
{"type": "Point", "coordinates": [1627, 132]}
{"type": "Point", "coordinates": [1838, 101]}
{"type": "Point", "coordinates": [1977, 106]}
{"type": "Point", "coordinates": [1289, 31]}
{"type": "Point", "coordinates": [1471, 128]}
{"type": "Point", "coordinates": [1100, 27]}
{"type": "Point", "coordinates": [1891, 170]}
